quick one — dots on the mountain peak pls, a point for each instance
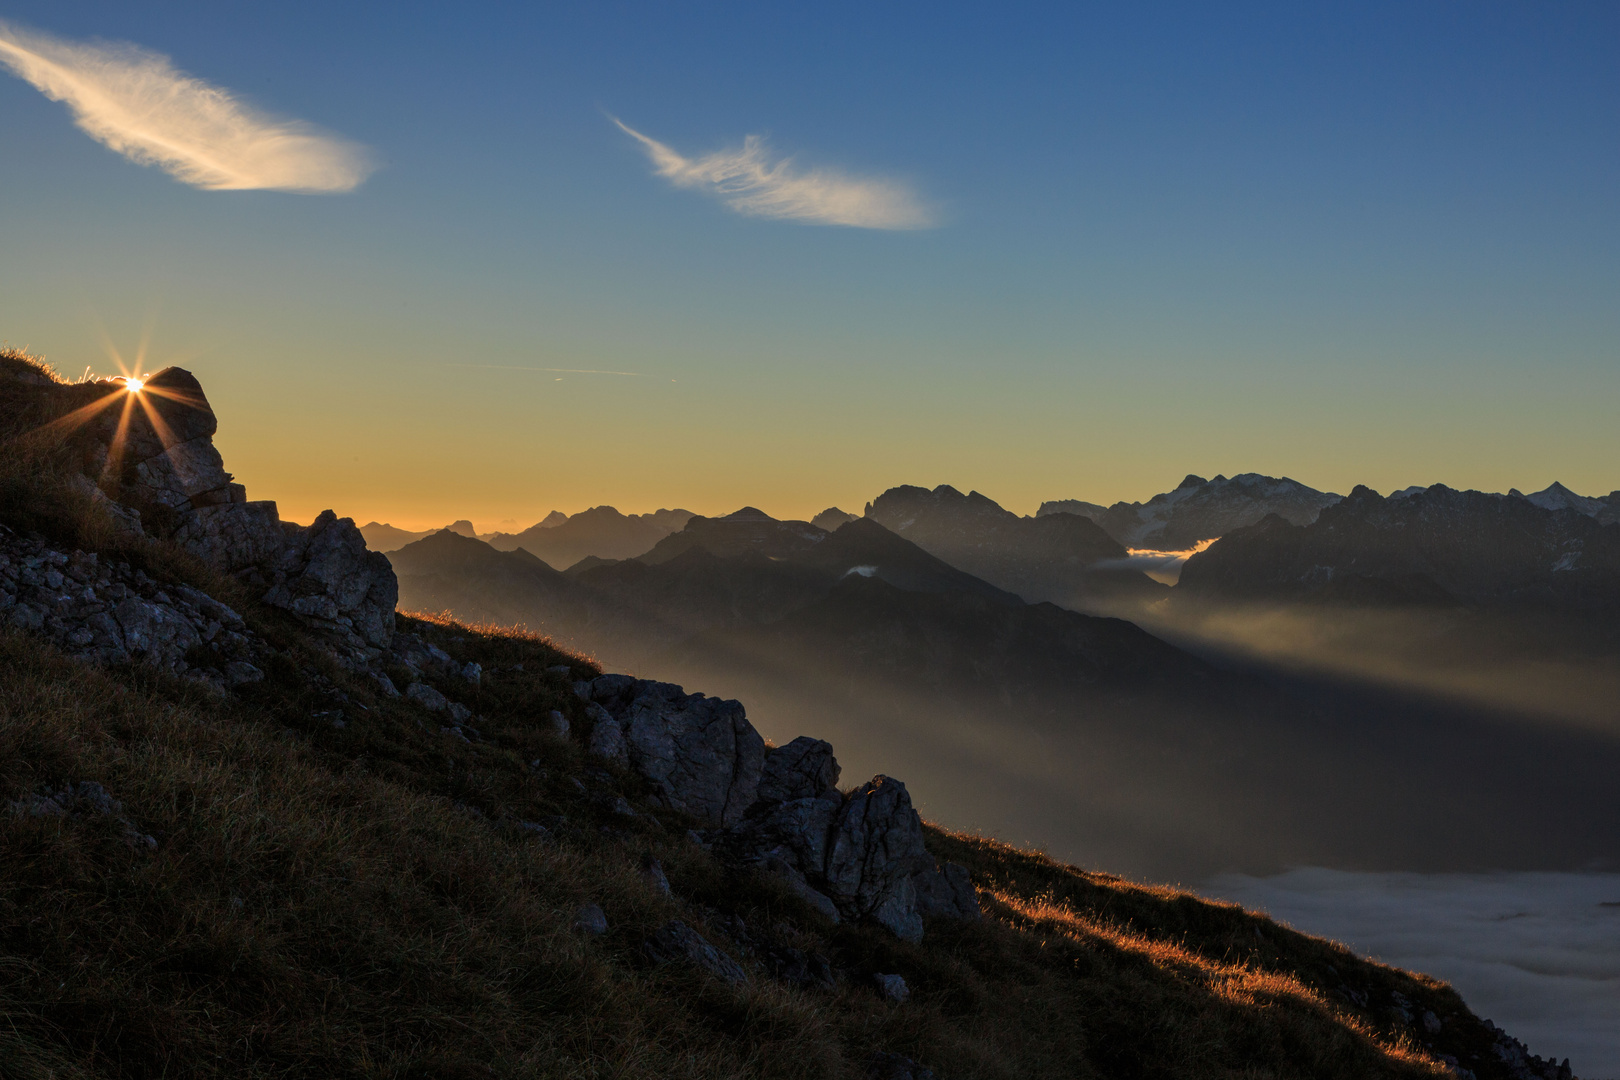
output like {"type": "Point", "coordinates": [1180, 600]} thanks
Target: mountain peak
{"type": "Point", "coordinates": [748, 513]}
{"type": "Point", "coordinates": [1191, 480]}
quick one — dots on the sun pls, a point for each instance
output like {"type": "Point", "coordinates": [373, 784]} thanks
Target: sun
{"type": "Point", "coordinates": [133, 383]}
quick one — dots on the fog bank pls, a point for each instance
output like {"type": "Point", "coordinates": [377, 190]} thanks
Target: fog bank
{"type": "Point", "coordinates": [1538, 953]}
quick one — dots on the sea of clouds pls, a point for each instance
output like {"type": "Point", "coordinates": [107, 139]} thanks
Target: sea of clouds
{"type": "Point", "coordinates": [1537, 953]}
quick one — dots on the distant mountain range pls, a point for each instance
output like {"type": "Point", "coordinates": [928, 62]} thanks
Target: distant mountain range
{"type": "Point", "coordinates": [747, 571]}
{"type": "Point", "coordinates": [559, 539]}
{"type": "Point", "coordinates": [1435, 545]}
{"type": "Point", "coordinates": [1199, 509]}
{"type": "Point", "coordinates": [1065, 558]}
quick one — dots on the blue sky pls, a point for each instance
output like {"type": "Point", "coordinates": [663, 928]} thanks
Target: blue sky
{"type": "Point", "coordinates": [1373, 245]}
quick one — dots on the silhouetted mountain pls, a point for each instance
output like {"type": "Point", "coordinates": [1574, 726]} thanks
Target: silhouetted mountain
{"type": "Point", "coordinates": [381, 536]}
{"type": "Point", "coordinates": [831, 518]}
{"type": "Point", "coordinates": [1200, 509]}
{"type": "Point", "coordinates": [1438, 545]}
{"type": "Point", "coordinates": [600, 531]}
{"type": "Point", "coordinates": [1063, 558]}
{"type": "Point", "coordinates": [448, 571]}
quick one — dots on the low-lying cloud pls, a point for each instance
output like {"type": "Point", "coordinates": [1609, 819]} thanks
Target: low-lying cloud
{"type": "Point", "coordinates": [135, 102]}
{"type": "Point", "coordinates": [753, 181]}
{"type": "Point", "coordinates": [1538, 953]}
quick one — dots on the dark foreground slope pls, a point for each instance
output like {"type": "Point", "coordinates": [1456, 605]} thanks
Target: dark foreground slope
{"type": "Point", "coordinates": [364, 900]}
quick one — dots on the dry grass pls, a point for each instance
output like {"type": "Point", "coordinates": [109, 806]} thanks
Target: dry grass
{"type": "Point", "coordinates": [355, 902]}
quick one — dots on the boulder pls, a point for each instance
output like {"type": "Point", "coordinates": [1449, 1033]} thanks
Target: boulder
{"type": "Point", "coordinates": [795, 832]}
{"type": "Point", "coordinates": [803, 769]}
{"type": "Point", "coordinates": [607, 736]}
{"type": "Point", "coordinates": [700, 754]}
{"type": "Point", "coordinates": [325, 575]}
{"type": "Point", "coordinates": [675, 941]}
{"type": "Point", "coordinates": [875, 849]}
{"type": "Point", "coordinates": [235, 536]}
{"type": "Point", "coordinates": [427, 697]}
{"type": "Point", "coordinates": [892, 988]}
{"type": "Point", "coordinates": [590, 919]}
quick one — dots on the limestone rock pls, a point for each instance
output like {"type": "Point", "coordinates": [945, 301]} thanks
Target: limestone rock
{"type": "Point", "coordinates": [700, 754]}
{"type": "Point", "coordinates": [559, 724]}
{"type": "Point", "coordinates": [326, 576]}
{"type": "Point", "coordinates": [892, 988]}
{"type": "Point", "coordinates": [796, 832]}
{"type": "Point", "coordinates": [235, 536]}
{"type": "Point", "coordinates": [427, 697]}
{"type": "Point", "coordinates": [876, 848]}
{"type": "Point", "coordinates": [801, 888]}
{"type": "Point", "coordinates": [803, 769]}
{"type": "Point", "coordinates": [607, 736]}
{"type": "Point", "coordinates": [675, 941]}
{"type": "Point", "coordinates": [590, 919]}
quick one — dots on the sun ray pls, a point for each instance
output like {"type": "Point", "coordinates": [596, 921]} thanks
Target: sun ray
{"type": "Point", "coordinates": [83, 415]}
{"type": "Point", "coordinates": [115, 454]}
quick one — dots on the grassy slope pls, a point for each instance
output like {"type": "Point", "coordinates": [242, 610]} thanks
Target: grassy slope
{"type": "Point", "coordinates": [333, 901]}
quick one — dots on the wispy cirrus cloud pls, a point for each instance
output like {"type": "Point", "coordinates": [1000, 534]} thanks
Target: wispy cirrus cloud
{"type": "Point", "coordinates": [135, 102]}
{"type": "Point", "coordinates": [753, 181]}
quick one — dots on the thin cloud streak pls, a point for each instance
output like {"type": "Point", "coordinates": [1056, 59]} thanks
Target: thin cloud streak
{"type": "Point", "coordinates": [555, 370]}
{"type": "Point", "coordinates": [135, 102]}
{"type": "Point", "coordinates": [752, 181]}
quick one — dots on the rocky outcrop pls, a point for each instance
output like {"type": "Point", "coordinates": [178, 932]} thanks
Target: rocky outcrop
{"type": "Point", "coordinates": [700, 754]}
{"type": "Point", "coordinates": [875, 847]}
{"type": "Point", "coordinates": [155, 450]}
{"type": "Point", "coordinates": [803, 769]}
{"type": "Point", "coordinates": [325, 575]}
{"type": "Point", "coordinates": [677, 942]}
{"type": "Point", "coordinates": [855, 856]}
{"type": "Point", "coordinates": [106, 611]}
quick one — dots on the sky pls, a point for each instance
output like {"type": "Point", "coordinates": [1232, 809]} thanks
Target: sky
{"type": "Point", "coordinates": [445, 261]}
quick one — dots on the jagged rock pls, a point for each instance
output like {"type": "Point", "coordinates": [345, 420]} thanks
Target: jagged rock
{"type": "Point", "coordinates": [459, 712]}
{"type": "Point", "coordinates": [795, 832]}
{"type": "Point", "coordinates": [559, 724]}
{"type": "Point", "coordinates": [590, 919]}
{"type": "Point", "coordinates": [242, 673]}
{"type": "Point", "coordinates": [169, 447]}
{"type": "Point", "coordinates": [325, 575]}
{"type": "Point", "coordinates": [385, 684]}
{"type": "Point", "coordinates": [803, 769]}
{"type": "Point", "coordinates": [947, 892]}
{"type": "Point", "coordinates": [652, 872]}
{"type": "Point", "coordinates": [427, 697]}
{"type": "Point", "coordinates": [876, 848]}
{"type": "Point", "coordinates": [795, 880]}
{"type": "Point", "coordinates": [607, 736]}
{"type": "Point", "coordinates": [77, 801]}
{"type": "Point", "coordinates": [892, 988]}
{"type": "Point", "coordinates": [421, 656]}
{"type": "Point", "coordinates": [700, 754]}
{"type": "Point", "coordinates": [105, 611]}
{"type": "Point", "coordinates": [473, 673]}
{"type": "Point", "coordinates": [235, 536]}
{"type": "Point", "coordinates": [675, 941]}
